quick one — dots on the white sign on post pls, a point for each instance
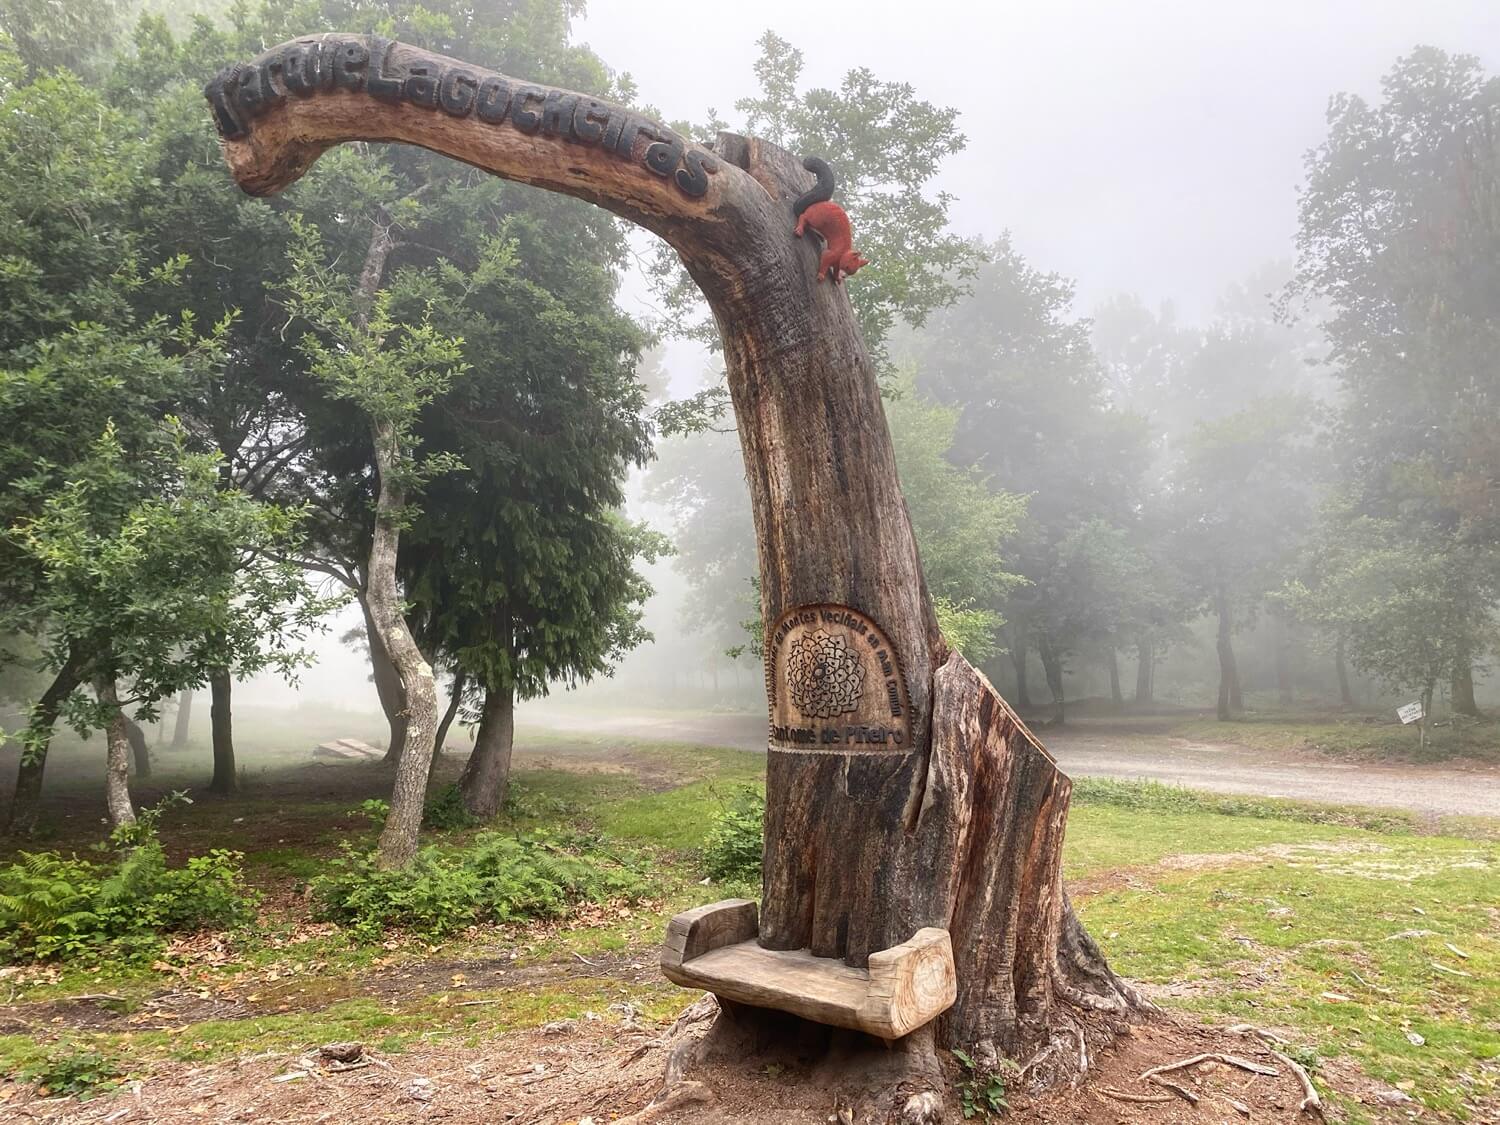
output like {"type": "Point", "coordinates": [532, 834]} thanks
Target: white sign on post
{"type": "Point", "coordinates": [1411, 713]}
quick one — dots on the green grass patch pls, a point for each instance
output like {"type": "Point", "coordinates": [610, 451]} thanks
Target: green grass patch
{"type": "Point", "coordinates": [1353, 736]}
{"type": "Point", "coordinates": [1153, 796]}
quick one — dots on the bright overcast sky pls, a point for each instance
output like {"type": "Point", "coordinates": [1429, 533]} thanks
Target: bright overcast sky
{"type": "Point", "coordinates": [1146, 145]}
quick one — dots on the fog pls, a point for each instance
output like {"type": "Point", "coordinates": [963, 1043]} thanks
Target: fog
{"type": "Point", "coordinates": [1154, 149]}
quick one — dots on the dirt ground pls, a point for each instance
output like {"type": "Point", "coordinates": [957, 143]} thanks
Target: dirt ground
{"type": "Point", "coordinates": [595, 1071]}
{"type": "Point", "coordinates": [1134, 751]}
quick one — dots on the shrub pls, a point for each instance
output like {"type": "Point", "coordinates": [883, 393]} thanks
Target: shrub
{"type": "Point", "coordinates": [494, 878]}
{"type": "Point", "coordinates": [63, 907]}
{"type": "Point", "coordinates": [66, 1071]}
{"type": "Point", "coordinates": [735, 842]}
{"type": "Point", "coordinates": [445, 811]}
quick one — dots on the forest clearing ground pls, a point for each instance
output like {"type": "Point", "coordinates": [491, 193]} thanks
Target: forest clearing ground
{"type": "Point", "coordinates": [1373, 950]}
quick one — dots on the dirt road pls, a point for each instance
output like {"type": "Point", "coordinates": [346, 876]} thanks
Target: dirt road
{"type": "Point", "coordinates": [1095, 748]}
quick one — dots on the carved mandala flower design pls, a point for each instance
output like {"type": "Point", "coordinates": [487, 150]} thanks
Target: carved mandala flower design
{"type": "Point", "coordinates": [824, 675]}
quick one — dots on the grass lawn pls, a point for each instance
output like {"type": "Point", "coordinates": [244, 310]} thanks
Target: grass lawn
{"type": "Point", "coordinates": [1360, 736]}
{"type": "Point", "coordinates": [1345, 930]}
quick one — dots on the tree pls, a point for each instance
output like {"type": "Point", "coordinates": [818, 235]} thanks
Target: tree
{"type": "Point", "coordinates": [1242, 496]}
{"type": "Point", "coordinates": [389, 372]}
{"type": "Point", "coordinates": [1399, 229]}
{"type": "Point", "coordinates": [1034, 418]}
{"type": "Point", "coordinates": [832, 534]}
{"type": "Point", "coordinates": [1399, 607]}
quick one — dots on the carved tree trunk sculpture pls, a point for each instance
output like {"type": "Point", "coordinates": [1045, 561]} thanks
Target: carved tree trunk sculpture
{"type": "Point", "coordinates": [902, 792]}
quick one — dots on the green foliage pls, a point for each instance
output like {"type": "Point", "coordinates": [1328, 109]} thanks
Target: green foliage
{"type": "Point", "coordinates": [981, 1090]}
{"type": "Point", "coordinates": [736, 841]}
{"type": "Point", "coordinates": [56, 907]}
{"type": "Point", "coordinates": [71, 1071]}
{"type": "Point", "coordinates": [445, 810]}
{"type": "Point", "coordinates": [495, 878]}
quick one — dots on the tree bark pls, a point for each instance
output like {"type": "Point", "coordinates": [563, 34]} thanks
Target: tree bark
{"type": "Point", "coordinates": [1346, 696]}
{"type": "Point", "coordinates": [1145, 669]}
{"type": "Point", "coordinates": [1463, 688]}
{"type": "Point", "coordinates": [487, 776]}
{"type": "Point", "coordinates": [1018, 662]}
{"type": "Point", "coordinates": [1115, 695]}
{"type": "Point", "coordinates": [184, 719]}
{"type": "Point", "coordinates": [1229, 678]}
{"type": "Point", "coordinates": [140, 753]}
{"type": "Point", "coordinates": [25, 804]}
{"type": "Point", "coordinates": [398, 839]}
{"type": "Point", "coordinates": [938, 807]}
{"type": "Point", "coordinates": [387, 686]}
{"type": "Point", "coordinates": [117, 761]}
{"type": "Point", "coordinates": [1052, 665]}
{"type": "Point", "coordinates": [1281, 638]}
{"type": "Point", "coordinates": [455, 700]}
{"type": "Point", "coordinates": [226, 775]}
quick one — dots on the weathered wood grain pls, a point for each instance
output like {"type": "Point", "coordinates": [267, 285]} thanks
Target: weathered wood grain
{"type": "Point", "coordinates": [957, 826]}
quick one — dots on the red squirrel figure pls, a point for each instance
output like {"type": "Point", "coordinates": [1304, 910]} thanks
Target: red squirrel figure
{"type": "Point", "coordinates": [815, 209]}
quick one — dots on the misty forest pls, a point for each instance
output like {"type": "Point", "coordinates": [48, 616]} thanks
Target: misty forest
{"type": "Point", "coordinates": [616, 565]}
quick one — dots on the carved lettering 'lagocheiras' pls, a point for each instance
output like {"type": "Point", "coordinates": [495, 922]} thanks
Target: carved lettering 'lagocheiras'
{"type": "Point", "coordinates": [328, 64]}
{"type": "Point", "coordinates": [833, 683]}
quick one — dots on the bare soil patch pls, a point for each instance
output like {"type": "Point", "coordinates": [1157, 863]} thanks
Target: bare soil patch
{"type": "Point", "coordinates": [594, 1069]}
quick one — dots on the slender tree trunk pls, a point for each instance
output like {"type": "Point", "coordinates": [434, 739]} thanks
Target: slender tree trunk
{"type": "Point", "coordinates": [1052, 665]}
{"type": "Point", "coordinates": [487, 776]}
{"type": "Point", "coordinates": [398, 840]}
{"type": "Point", "coordinates": [1346, 696]}
{"type": "Point", "coordinates": [1281, 638]}
{"type": "Point", "coordinates": [387, 686]}
{"type": "Point", "coordinates": [1018, 654]}
{"type": "Point", "coordinates": [1145, 668]}
{"type": "Point", "coordinates": [25, 804]}
{"type": "Point", "coordinates": [184, 718]}
{"type": "Point", "coordinates": [1115, 695]}
{"type": "Point", "coordinates": [226, 777]}
{"type": "Point", "coordinates": [117, 762]}
{"type": "Point", "coordinates": [1463, 688]}
{"type": "Point", "coordinates": [455, 700]}
{"type": "Point", "coordinates": [140, 753]}
{"type": "Point", "coordinates": [1229, 678]}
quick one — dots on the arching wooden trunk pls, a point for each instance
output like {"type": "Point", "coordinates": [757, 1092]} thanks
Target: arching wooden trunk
{"type": "Point", "coordinates": [902, 792]}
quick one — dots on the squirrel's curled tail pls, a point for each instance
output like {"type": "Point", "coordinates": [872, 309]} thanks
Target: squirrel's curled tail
{"type": "Point", "coordinates": [822, 191]}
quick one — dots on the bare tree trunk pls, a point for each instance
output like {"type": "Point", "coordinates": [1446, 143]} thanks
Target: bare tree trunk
{"type": "Point", "coordinates": [1282, 640]}
{"type": "Point", "coordinates": [25, 804]}
{"type": "Point", "coordinates": [221, 716]}
{"type": "Point", "coordinates": [1463, 688]}
{"type": "Point", "coordinates": [1018, 648]}
{"type": "Point", "coordinates": [1115, 695]}
{"type": "Point", "coordinates": [1346, 696]}
{"type": "Point", "coordinates": [1052, 665]}
{"type": "Point", "coordinates": [398, 840]}
{"type": "Point", "coordinates": [1229, 678]}
{"type": "Point", "coordinates": [117, 762]}
{"type": "Point", "coordinates": [387, 686]}
{"type": "Point", "coordinates": [487, 776]}
{"type": "Point", "coordinates": [455, 700]}
{"type": "Point", "coordinates": [184, 718]}
{"type": "Point", "coordinates": [933, 805]}
{"type": "Point", "coordinates": [140, 753]}
{"type": "Point", "coordinates": [1145, 668]}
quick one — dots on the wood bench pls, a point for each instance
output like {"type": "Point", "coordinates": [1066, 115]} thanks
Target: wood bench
{"type": "Point", "coordinates": [715, 948]}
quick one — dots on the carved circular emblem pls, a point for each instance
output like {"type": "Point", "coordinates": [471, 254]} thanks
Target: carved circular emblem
{"type": "Point", "coordinates": [834, 683]}
{"type": "Point", "coordinates": [823, 675]}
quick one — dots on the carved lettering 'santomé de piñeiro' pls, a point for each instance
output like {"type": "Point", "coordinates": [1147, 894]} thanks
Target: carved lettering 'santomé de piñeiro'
{"type": "Point", "coordinates": [358, 63]}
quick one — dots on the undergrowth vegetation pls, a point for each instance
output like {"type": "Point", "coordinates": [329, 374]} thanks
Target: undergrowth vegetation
{"type": "Point", "coordinates": [119, 907]}
{"type": "Point", "coordinates": [732, 852]}
{"type": "Point", "coordinates": [495, 877]}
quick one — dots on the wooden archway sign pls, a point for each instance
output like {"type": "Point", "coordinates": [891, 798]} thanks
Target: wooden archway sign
{"type": "Point", "coordinates": [902, 792]}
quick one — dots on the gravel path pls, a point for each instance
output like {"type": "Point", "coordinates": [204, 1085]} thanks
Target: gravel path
{"type": "Point", "coordinates": [1092, 748]}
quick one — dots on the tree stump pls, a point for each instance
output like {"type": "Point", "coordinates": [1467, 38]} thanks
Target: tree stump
{"type": "Point", "coordinates": [902, 792]}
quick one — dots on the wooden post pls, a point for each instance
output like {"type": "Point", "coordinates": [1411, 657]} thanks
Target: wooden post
{"type": "Point", "coordinates": [902, 792]}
